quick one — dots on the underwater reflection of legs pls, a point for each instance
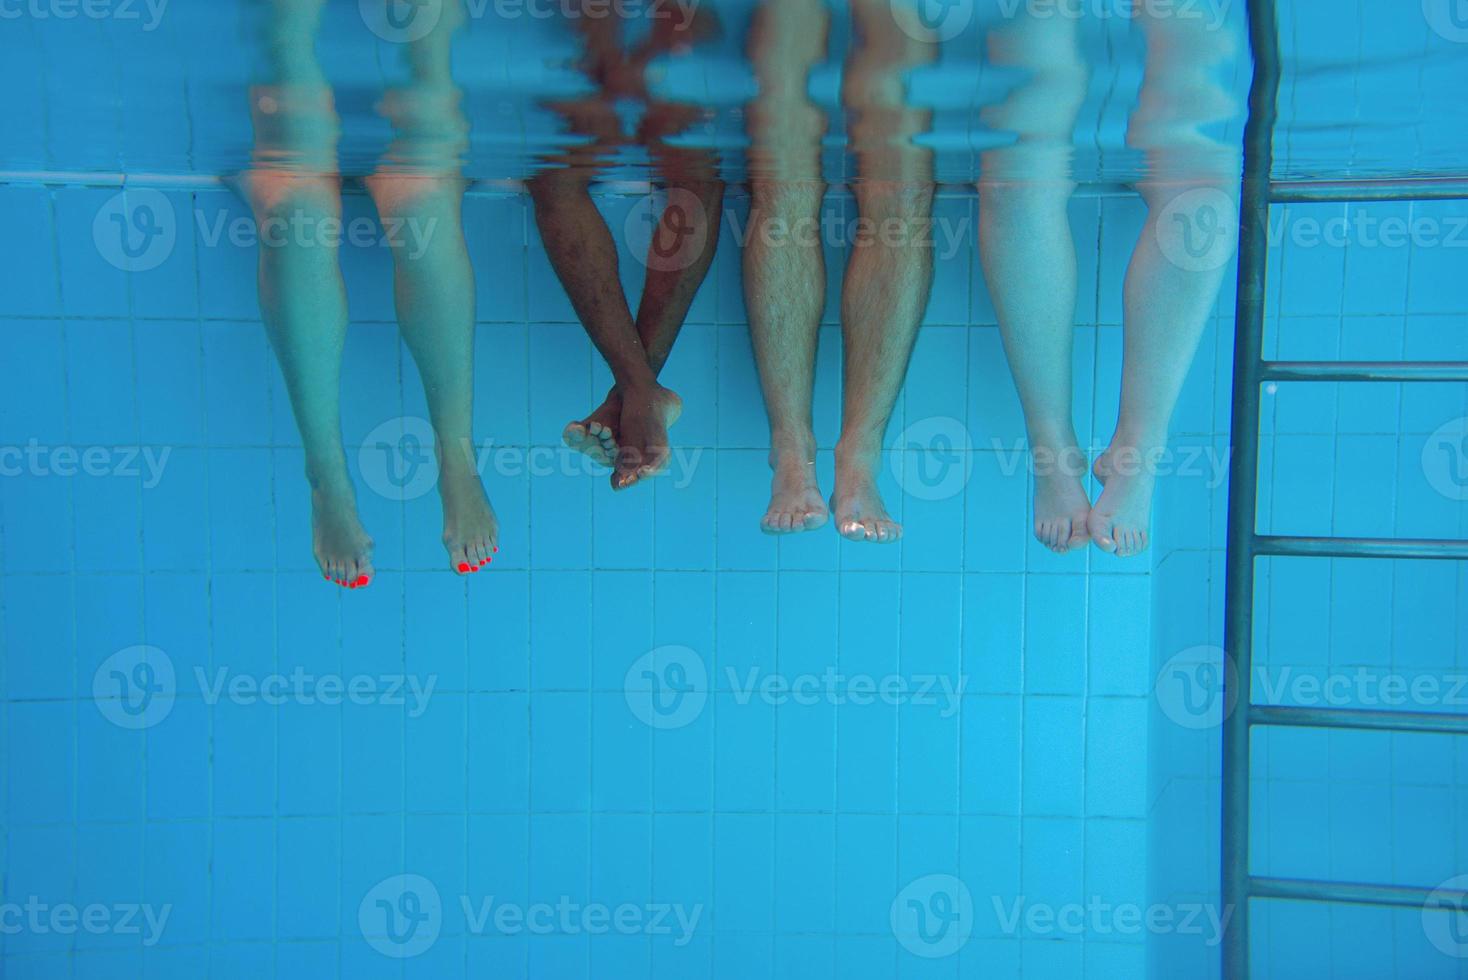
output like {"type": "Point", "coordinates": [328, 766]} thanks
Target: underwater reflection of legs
{"type": "Point", "coordinates": [784, 263]}
{"type": "Point", "coordinates": [1191, 189]}
{"type": "Point", "coordinates": [889, 276]}
{"type": "Point", "coordinates": [294, 192]}
{"type": "Point", "coordinates": [1029, 257]}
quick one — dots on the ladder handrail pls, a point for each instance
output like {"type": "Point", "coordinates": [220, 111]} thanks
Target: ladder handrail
{"type": "Point", "coordinates": [1245, 544]}
{"type": "Point", "coordinates": [1253, 257]}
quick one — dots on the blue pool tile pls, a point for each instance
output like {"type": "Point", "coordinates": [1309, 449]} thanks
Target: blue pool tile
{"type": "Point", "coordinates": [40, 785]}
{"type": "Point", "coordinates": [1054, 613]}
{"type": "Point", "coordinates": [240, 505]}
{"type": "Point", "coordinates": [33, 406]}
{"type": "Point", "coordinates": [306, 887]}
{"type": "Point", "coordinates": [175, 514]}
{"type": "Point", "coordinates": [243, 888]}
{"type": "Point", "coordinates": [227, 272]}
{"type": "Point", "coordinates": [434, 747]}
{"type": "Point", "coordinates": [33, 270]}
{"type": "Point", "coordinates": [34, 667]}
{"type": "Point", "coordinates": [239, 376]}
{"type": "Point", "coordinates": [309, 780]}
{"type": "Point", "coordinates": [1116, 757]}
{"type": "Point", "coordinates": [373, 764]}
{"type": "Point", "coordinates": [171, 410]}
{"type": "Point", "coordinates": [244, 759]}
{"type": "Point", "coordinates": [867, 742]}
{"type": "Point", "coordinates": [101, 405]}
{"type": "Point", "coordinates": [744, 763]}
{"type": "Point", "coordinates": [805, 756]}
{"type": "Point", "coordinates": [497, 738]}
{"type": "Point", "coordinates": [992, 740]}
{"type": "Point", "coordinates": [559, 752]}
{"type": "Point", "coordinates": [1054, 734]}
{"type": "Point", "coordinates": [95, 253]}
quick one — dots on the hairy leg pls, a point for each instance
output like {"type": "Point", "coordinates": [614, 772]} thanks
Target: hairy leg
{"type": "Point", "coordinates": [889, 276]}
{"type": "Point", "coordinates": [784, 262]}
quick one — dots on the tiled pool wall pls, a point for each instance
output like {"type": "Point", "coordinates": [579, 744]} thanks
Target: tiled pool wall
{"type": "Point", "coordinates": [793, 827]}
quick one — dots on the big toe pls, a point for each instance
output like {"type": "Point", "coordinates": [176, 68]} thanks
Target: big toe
{"type": "Point", "coordinates": [1102, 533]}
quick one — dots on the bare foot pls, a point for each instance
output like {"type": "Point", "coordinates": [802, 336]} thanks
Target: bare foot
{"type": "Point", "coordinates": [796, 502]}
{"type": "Point", "coordinates": [1062, 508]}
{"type": "Point", "coordinates": [343, 549]}
{"type": "Point", "coordinates": [596, 435]}
{"type": "Point", "coordinates": [1119, 521]}
{"type": "Point", "coordinates": [470, 530]}
{"type": "Point", "coordinates": [860, 513]}
{"type": "Point", "coordinates": [642, 451]}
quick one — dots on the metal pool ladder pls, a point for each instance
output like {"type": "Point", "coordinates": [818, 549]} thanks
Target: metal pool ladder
{"type": "Point", "coordinates": [1245, 544]}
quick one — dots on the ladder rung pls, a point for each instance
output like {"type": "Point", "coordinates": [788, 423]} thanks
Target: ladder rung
{"type": "Point", "coordinates": [1276, 546]}
{"type": "Point", "coordinates": [1364, 371]}
{"type": "Point", "coordinates": [1305, 890]}
{"type": "Point", "coordinates": [1298, 192]}
{"type": "Point", "coordinates": [1358, 719]}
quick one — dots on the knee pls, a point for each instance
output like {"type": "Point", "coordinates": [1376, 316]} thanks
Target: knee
{"type": "Point", "coordinates": [280, 196]}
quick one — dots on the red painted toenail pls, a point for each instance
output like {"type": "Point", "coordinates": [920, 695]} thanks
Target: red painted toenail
{"type": "Point", "coordinates": [463, 566]}
{"type": "Point", "coordinates": [363, 580]}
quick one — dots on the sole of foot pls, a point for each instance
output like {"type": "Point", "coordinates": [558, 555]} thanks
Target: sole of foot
{"type": "Point", "coordinates": [596, 435]}
{"type": "Point", "coordinates": [643, 450]}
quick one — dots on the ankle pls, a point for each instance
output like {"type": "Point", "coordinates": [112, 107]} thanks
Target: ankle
{"type": "Point", "coordinates": [792, 447]}
{"type": "Point", "coordinates": [859, 452]}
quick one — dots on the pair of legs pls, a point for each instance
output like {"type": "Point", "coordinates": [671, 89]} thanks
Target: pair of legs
{"type": "Point", "coordinates": [629, 431]}
{"type": "Point", "coordinates": [1023, 197]}
{"type": "Point", "coordinates": [295, 193]}
{"type": "Point", "coordinates": [889, 274]}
